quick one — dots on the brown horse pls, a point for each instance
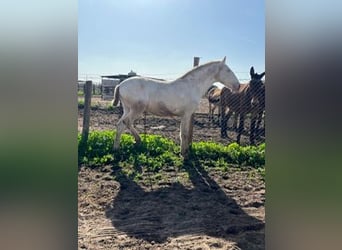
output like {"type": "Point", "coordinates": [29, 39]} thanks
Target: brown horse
{"type": "Point", "coordinates": [213, 95]}
{"type": "Point", "coordinates": [258, 110]}
{"type": "Point", "coordinates": [248, 99]}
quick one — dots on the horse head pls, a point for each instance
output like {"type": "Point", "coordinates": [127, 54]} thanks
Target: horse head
{"type": "Point", "coordinates": [226, 76]}
{"type": "Point", "coordinates": [254, 75]}
{"type": "Point", "coordinates": [257, 87]}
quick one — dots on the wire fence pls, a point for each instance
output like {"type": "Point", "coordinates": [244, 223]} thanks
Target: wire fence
{"type": "Point", "coordinates": [222, 116]}
{"type": "Point", "coordinates": [243, 76]}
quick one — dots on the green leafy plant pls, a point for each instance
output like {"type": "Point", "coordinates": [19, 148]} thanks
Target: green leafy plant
{"type": "Point", "coordinates": [155, 152]}
{"type": "Point", "coordinates": [80, 103]}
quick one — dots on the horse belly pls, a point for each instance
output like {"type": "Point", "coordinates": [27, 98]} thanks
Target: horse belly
{"type": "Point", "coordinates": [161, 108]}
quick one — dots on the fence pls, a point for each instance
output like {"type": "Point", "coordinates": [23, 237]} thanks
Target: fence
{"type": "Point", "coordinates": [246, 107]}
{"type": "Point", "coordinates": [105, 89]}
{"type": "Point", "coordinates": [86, 115]}
{"type": "Point", "coordinates": [96, 89]}
{"type": "Point", "coordinates": [206, 126]}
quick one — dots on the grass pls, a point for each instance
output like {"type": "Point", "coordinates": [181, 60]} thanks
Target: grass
{"type": "Point", "coordinates": [159, 157]}
{"type": "Point", "coordinates": [156, 152]}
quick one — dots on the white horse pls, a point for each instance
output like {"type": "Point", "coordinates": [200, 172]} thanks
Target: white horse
{"type": "Point", "coordinates": [180, 97]}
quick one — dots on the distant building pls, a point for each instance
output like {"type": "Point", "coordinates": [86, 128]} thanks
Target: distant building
{"type": "Point", "coordinates": [109, 83]}
{"type": "Point", "coordinates": [80, 86]}
{"type": "Point", "coordinates": [131, 73]}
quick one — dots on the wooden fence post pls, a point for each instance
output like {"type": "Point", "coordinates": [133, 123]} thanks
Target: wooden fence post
{"type": "Point", "coordinates": [196, 61]}
{"type": "Point", "coordinates": [86, 115]}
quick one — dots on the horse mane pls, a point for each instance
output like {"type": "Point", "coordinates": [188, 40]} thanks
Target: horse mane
{"type": "Point", "coordinates": [189, 73]}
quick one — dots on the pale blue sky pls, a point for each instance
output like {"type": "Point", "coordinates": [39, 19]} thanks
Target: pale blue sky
{"type": "Point", "coordinates": [160, 37]}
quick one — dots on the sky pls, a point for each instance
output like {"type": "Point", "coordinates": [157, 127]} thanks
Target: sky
{"type": "Point", "coordinates": [159, 38]}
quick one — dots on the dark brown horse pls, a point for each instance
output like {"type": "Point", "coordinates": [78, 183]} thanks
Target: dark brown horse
{"type": "Point", "coordinates": [257, 113]}
{"type": "Point", "coordinates": [248, 99]}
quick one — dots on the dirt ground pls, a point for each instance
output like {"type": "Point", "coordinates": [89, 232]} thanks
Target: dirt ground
{"type": "Point", "coordinates": [104, 119]}
{"type": "Point", "coordinates": [209, 209]}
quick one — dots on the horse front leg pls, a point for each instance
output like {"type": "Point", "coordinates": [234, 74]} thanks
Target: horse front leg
{"type": "Point", "coordinates": [252, 133]}
{"type": "Point", "coordinates": [258, 125]}
{"type": "Point", "coordinates": [186, 130]}
{"type": "Point", "coordinates": [191, 129]}
{"type": "Point", "coordinates": [241, 127]}
{"type": "Point", "coordinates": [236, 119]}
{"type": "Point", "coordinates": [224, 122]}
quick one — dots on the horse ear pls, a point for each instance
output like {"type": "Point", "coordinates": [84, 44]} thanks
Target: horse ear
{"type": "Point", "coordinates": [251, 71]}
{"type": "Point", "coordinates": [224, 60]}
{"type": "Point", "coordinates": [262, 75]}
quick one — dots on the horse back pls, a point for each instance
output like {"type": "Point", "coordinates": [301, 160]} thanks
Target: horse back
{"type": "Point", "coordinates": [157, 97]}
{"type": "Point", "coordinates": [138, 88]}
{"type": "Point", "coordinates": [236, 101]}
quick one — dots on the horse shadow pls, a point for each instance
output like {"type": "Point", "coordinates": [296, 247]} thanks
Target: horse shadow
{"type": "Point", "coordinates": [177, 210]}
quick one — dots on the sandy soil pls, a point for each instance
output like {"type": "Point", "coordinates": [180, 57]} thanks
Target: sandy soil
{"type": "Point", "coordinates": [209, 210]}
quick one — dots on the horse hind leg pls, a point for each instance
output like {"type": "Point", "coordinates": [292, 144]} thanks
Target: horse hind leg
{"type": "Point", "coordinates": [209, 113]}
{"type": "Point", "coordinates": [131, 117]}
{"type": "Point", "coordinates": [218, 115]}
{"type": "Point", "coordinates": [126, 120]}
{"type": "Point", "coordinates": [134, 133]}
{"type": "Point", "coordinates": [217, 119]}
{"type": "Point", "coordinates": [119, 129]}
{"type": "Point", "coordinates": [224, 122]}
{"type": "Point", "coordinates": [252, 134]}
{"type": "Point", "coordinates": [212, 113]}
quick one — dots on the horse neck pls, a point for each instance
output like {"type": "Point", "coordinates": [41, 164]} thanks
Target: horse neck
{"type": "Point", "coordinates": [244, 94]}
{"type": "Point", "coordinates": [203, 77]}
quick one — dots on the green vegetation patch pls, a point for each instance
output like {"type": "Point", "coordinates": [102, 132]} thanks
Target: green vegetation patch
{"type": "Point", "coordinates": [156, 152]}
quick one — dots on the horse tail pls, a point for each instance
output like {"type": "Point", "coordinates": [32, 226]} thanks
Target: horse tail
{"type": "Point", "coordinates": [116, 96]}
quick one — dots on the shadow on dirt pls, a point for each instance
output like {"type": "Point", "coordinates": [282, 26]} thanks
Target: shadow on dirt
{"type": "Point", "coordinates": [178, 210]}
